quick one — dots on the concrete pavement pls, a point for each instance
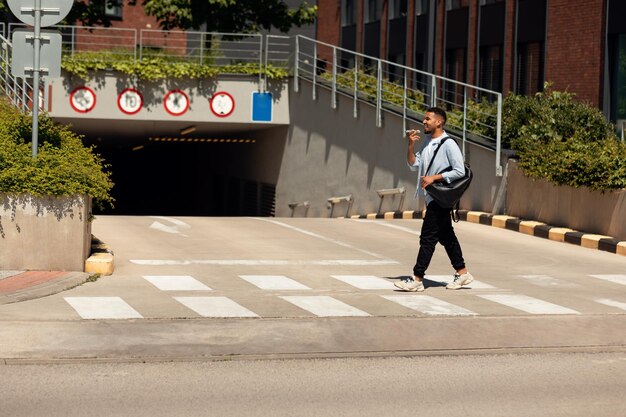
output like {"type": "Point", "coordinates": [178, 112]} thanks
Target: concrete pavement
{"type": "Point", "coordinates": [197, 288]}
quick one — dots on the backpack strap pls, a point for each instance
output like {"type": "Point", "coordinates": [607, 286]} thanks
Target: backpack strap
{"type": "Point", "coordinates": [435, 154]}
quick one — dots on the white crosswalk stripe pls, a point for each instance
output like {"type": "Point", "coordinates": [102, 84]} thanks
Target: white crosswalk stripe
{"type": "Point", "coordinates": [102, 308]}
{"type": "Point", "coordinates": [528, 304]}
{"type": "Point", "coordinates": [324, 306]}
{"type": "Point", "coordinates": [176, 283]}
{"type": "Point", "coordinates": [547, 281]}
{"type": "Point", "coordinates": [365, 282]}
{"type": "Point", "coordinates": [611, 303]}
{"type": "Point", "coordinates": [274, 282]}
{"type": "Point", "coordinates": [614, 278]}
{"type": "Point", "coordinates": [215, 307]}
{"type": "Point", "coordinates": [429, 305]}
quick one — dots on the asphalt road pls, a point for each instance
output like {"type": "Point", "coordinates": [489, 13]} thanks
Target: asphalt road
{"type": "Point", "coordinates": [489, 385]}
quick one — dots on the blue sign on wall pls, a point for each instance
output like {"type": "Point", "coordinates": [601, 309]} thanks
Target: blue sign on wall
{"type": "Point", "coordinates": [261, 107]}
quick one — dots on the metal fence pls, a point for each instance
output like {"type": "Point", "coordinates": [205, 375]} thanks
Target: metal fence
{"type": "Point", "coordinates": [474, 113]}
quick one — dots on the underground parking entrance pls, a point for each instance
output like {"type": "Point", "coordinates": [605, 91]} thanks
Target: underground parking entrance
{"type": "Point", "coordinates": [232, 174]}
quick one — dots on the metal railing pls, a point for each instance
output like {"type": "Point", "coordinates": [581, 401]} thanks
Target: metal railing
{"type": "Point", "coordinates": [474, 113]}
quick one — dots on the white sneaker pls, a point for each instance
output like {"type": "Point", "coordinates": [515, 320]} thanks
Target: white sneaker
{"type": "Point", "coordinates": [460, 281]}
{"type": "Point", "coordinates": [410, 284]}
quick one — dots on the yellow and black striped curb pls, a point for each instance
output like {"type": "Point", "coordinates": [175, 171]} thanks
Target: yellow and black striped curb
{"type": "Point", "coordinates": [529, 227]}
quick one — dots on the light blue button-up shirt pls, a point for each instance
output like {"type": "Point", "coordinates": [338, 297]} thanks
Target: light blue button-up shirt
{"type": "Point", "coordinates": [448, 156]}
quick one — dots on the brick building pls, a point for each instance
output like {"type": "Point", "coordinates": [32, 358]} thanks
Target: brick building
{"type": "Point", "coordinates": [503, 45]}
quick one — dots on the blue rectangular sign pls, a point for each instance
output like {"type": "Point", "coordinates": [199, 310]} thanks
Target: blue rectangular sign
{"type": "Point", "coordinates": [261, 107]}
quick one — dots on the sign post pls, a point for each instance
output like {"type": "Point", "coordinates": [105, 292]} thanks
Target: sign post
{"type": "Point", "coordinates": [32, 13]}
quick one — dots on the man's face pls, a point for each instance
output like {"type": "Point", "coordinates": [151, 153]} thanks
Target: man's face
{"type": "Point", "coordinates": [431, 122]}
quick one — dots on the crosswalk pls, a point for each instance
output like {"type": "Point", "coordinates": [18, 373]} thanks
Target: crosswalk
{"type": "Point", "coordinates": [281, 290]}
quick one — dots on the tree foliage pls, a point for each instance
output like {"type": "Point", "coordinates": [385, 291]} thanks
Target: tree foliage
{"type": "Point", "coordinates": [229, 16]}
{"type": "Point", "coordinates": [564, 141]}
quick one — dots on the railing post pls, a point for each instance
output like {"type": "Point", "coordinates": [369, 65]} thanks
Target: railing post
{"type": "Point", "coordinates": [135, 46]}
{"type": "Point", "coordinates": [267, 57]}
{"type": "Point", "coordinates": [333, 96]}
{"type": "Point", "coordinates": [379, 94]}
{"type": "Point", "coordinates": [355, 110]}
{"type": "Point", "coordinates": [140, 44]}
{"type": "Point", "coordinates": [73, 40]}
{"type": "Point", "coordinates": [499, 137]}
{"type": "Point", "coordinates": [314, 71]}
{"type": "Point", "coordinates": [201, 48]}
{"type": "Point", "coordinates": [433, 91]}
{"type": "Point", "coordinates": [404, 102]}
{"type": "Point", "coordinates": [261, 87]}
{"type": "Point", "coordinates": [464, 119]}
{"type": "Point", "coordinates": [296, 67]}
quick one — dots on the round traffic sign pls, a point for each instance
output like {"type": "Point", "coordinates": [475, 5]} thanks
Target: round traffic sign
{"type": "Point", "coordinates": [53, 11]}
{"type": "Point", "coordinates": [130, 101]}
{"type": "Point", "coordinates": [176, 102]}
{"type": "Point", "coordinates": [222, 104]}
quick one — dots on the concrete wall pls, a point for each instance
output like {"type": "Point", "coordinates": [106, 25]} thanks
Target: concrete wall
{"type": "Point", "coordinates": [330, 153]}
{"type": "Point", "coordinates": [576, 208]}
{"type": "Point", "coordinates": [44, 233]}
{"type": "Point", "coordinates": [108, 85]}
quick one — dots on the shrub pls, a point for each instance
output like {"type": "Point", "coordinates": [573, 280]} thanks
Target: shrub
{"type": "Point", "coordinates": [63, 167]}
{"type": "Point", "coordinates": [564, 141]}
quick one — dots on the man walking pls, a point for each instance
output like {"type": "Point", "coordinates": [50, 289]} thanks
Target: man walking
{"type": "Point", "coordinates": [437, 225]}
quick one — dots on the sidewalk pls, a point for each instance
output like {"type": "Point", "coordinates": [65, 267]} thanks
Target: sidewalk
{"type": "Point", "coordinates": [18, 286]}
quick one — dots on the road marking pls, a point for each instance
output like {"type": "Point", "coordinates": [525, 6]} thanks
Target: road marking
{"type": "Point", "coordinates": [274, 282]}
{"type": "Point", "coordinates": [215, 307]}
{"type": "Point", "coordinates": [324, 306]}
{"type": "Point", "coordinates": [528, 304]}
{"type": "Point", "coordinates": [176, 283]}
{"type": "Point", "coordinates": [615, 278]}
{"type": "Point", "coordinates": [178, 225]}
{"type": "Point", "coordinates": [547, 281]}
{"type": "Point", "coordinates": [611, 303]}
{"type": "Point", "coordinates": [324, 238]}
{"type": "Point", "coordinates": [429, 305]}
{"type": "Point", "coordinates": [263, 262]}
{"type": "Point", "coordinates": [365, 282]}
{"type": "Point", "coordinates": [479, 285]}
{"type": "Point", "coordinates": [102, 308]}
{"type": "Point", "coordinates": [390, 225]}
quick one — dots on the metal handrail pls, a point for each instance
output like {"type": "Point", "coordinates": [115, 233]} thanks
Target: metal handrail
{"type": "Point", "coordinates": [480, 126]}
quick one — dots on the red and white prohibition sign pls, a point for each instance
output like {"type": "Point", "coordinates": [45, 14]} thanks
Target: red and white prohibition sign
{"type": "Point", "coordinates": [176, 103]}
{"type": "Point", "coordinates": [130, 101]}
{"type": "Point", "coordinates": [222, 104]}
{"type": "Point", "coordinates": [83, 99]}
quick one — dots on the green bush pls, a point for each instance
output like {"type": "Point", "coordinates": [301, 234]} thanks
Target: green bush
{"type": "Point", "coordinates": [564, 141]}
{"type": "Point", "coordinates": [63, 167]}
{"type": "Point", "coordinates": [159, 67]}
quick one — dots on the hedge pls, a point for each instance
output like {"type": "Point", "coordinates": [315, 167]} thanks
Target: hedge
{"type": "Point", "coordinates": [63, 167]}
{"type": "Point", "coordinates": [564, 141]}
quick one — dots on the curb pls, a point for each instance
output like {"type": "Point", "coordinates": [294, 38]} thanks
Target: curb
{"type": "Point", "coordinates": [101, 259]}
{"type": "Point", "coordinates": [529, 227]}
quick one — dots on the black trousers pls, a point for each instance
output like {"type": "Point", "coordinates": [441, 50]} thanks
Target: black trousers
{"type": "Point", "coordinates": [437, 228]}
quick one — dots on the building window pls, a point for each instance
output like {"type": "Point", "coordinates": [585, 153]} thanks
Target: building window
{"type": "Point", "coordinates": [485, 2]}
{"type": "Point", "coordinates": [397, 8]}
{"type": "Point", "coordinates": [421, 7]}
{"type": "Point", "coordinates": [372, 11]}
{"type": "Point", "coordinates": [113, 8]}
{"type": "Point", "coordinates": [453, 4]}
{"type": "Point", "coordinates": [490, 70]}
{"type": "Point", "coordinates": [348, 12]}
{"type": "Point", "coordinates": [529, 68]}
{"type": "Point", "coordinates": [455, 70]}
{"type": "Point", "coordinates": [618, 78]}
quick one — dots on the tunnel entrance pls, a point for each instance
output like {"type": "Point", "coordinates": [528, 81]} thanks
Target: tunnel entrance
{"type": "Point", "coordinates": [192, 176]}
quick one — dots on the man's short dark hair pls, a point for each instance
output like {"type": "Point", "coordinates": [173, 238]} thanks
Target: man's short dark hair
{"type": "Point", "coordinates": [439, 112]}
